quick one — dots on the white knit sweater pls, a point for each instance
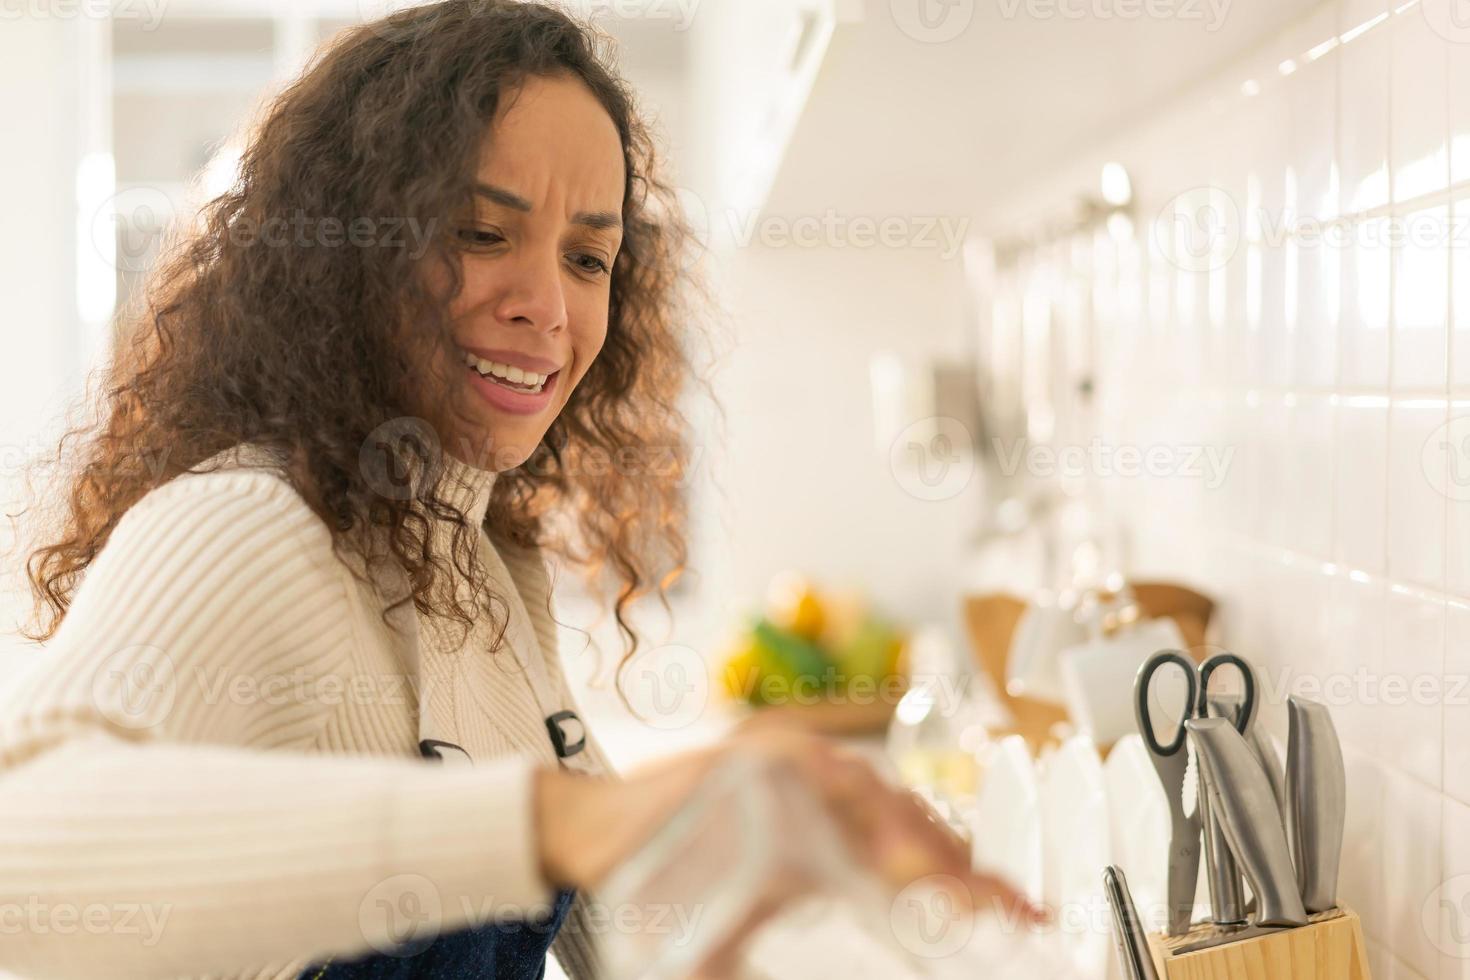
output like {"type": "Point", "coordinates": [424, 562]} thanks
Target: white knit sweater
{"type": "Point", "coordinates": [213, 768]}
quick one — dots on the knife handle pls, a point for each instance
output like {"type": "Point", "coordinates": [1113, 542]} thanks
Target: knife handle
{"type": "Point", "coordinates": [1222, 874]}
{"type": "Point", "coordinates": [1317, 790]}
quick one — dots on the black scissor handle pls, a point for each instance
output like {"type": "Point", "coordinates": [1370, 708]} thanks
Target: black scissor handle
{"type": "Point", "coordinates": [1140, 703]}
{"type": "Point", "coordinates": [1206, 669]}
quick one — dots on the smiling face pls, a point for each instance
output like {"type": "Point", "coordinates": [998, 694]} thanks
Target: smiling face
{"type": "Point", "coordinates": [536, 253]}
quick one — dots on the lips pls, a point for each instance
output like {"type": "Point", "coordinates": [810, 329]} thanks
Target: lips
{"type": "Point", "coordinates": [515, 358]}
{"type": "Point", "coordinates": [509, 400]}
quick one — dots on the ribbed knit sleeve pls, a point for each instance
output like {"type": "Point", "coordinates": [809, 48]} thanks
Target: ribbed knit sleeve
{"type": "Point", "coordinates": [161, 810]}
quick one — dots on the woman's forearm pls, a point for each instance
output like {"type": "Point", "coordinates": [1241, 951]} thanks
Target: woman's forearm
{"type": "Point", "coordinates": [126, 859]}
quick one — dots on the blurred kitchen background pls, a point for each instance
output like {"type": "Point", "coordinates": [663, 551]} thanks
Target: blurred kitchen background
{"type": "Point", "coordinates": [1021, 301]}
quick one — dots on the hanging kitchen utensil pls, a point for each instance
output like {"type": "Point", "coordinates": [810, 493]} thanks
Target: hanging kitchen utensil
{"type": "Point", "coordinates": [1318, 801]}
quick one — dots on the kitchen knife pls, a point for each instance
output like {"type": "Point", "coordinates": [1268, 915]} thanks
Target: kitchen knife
{"type": "Point", "coordinates": [1228, 706]}
{"type": "Point", "coordinates": [1240, 798]}
{"type": "Point", "coordinates": [1265, 751]}
{"type": "Point", "coordinates": [1317, 790]}
{"type": "Point", "coordinates": [1222, 874]}
{"type": "Point", "coordinates": [1128, 935]}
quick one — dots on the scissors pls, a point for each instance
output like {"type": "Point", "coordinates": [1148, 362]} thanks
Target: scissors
{"type": "Point", "coordinates": [1171, 761]}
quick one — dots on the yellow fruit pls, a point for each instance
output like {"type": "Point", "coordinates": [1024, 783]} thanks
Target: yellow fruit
{"type": "Point", "coordinates": [896, 663]}
{"type": "Point", "coordinates": [742, 672]}
{"type": "Point", "coordinates": [795, 605]}
{"type": "Point", "coordinates": [808, 617]}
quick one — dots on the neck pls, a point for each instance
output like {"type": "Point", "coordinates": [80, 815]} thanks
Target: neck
{"type": "Point", "coordinates": [468, 488]}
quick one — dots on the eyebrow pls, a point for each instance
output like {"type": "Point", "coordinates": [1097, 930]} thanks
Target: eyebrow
{"type": "Point", "coordinates": [591, 219]}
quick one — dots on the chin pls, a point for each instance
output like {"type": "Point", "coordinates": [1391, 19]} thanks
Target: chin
{"type": "Point", "coordinates": [505, 447]}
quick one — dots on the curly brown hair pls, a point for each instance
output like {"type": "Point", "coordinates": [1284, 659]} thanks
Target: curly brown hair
{"type": "Point", "coordinates": [234, 342]}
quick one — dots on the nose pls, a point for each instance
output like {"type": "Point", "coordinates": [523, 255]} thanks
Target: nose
{"type": "Point", "coordinates": [533, 295]}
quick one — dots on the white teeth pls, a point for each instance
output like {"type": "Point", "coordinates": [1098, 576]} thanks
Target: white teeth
{"type": "Point", "coordinates": [506, 371]}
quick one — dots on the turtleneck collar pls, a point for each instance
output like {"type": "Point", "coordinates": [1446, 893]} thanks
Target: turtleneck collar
{"type": "Point", "coordinates": [468, 488]}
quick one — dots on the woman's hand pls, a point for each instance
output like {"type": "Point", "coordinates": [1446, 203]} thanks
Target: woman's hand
{"type": "Point", "coordinates": [588, 826]}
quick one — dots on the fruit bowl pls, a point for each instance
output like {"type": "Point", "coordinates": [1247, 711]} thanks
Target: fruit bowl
{"type": "Point", "coordinates": [822, 659]}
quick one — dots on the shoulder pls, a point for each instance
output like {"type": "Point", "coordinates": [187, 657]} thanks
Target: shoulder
{"type": "Point", "coordinates": [236, 505]}
{"type": "Point", "coordinates": [243, 478]}
{"type": "Point", "coordinates": [243, 470]}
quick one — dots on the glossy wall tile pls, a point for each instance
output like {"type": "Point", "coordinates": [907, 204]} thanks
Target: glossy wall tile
{"type": "Point", "coordinates": [1305, 308]}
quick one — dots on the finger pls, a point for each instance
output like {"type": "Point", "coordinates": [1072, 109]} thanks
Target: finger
{"type": "Point", "coordinates": [1000, 896]}
{"type": "Point", "coordinates": [949, 855]}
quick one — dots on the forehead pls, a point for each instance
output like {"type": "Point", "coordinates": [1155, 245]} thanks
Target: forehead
{"type": "Point", "coordinates": [552, 137]}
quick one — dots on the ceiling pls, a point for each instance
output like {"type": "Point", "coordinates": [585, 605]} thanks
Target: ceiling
{"type": "Point", "coordinates": [896, 125]}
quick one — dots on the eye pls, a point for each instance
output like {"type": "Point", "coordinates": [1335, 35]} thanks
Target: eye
{"type": "Point", "coordinates": [590, 263]}
{"type": "Point", "coordinates": [480, 237]}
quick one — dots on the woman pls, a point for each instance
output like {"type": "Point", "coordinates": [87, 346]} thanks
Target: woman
{"type": "Point", "coordinates": [302, 549]}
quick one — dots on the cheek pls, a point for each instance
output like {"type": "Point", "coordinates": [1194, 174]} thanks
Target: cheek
{"type": "Point", "coordinates": [477, 289]}
{"type": "Point", "coordinates": [588, 338]}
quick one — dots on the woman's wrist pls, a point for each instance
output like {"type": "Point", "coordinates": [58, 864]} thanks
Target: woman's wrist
{"type": "Point", "coordinates": [558, 802]}
{"type": "Point", "coordinates": [588, 825]}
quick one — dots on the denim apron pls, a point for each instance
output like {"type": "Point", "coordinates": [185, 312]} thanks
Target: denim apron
{"type": "Point", "coordinates": [513, 950]}
{"type": "Point", "coordinates": [509, 950]}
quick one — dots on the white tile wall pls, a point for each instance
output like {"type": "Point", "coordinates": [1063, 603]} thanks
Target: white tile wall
{"type": "Point", "coordinates": [1338, 372]}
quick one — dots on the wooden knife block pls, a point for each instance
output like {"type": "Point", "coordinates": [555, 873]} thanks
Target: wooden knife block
{"type": "Point", "coordinates": [1329, 947]}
